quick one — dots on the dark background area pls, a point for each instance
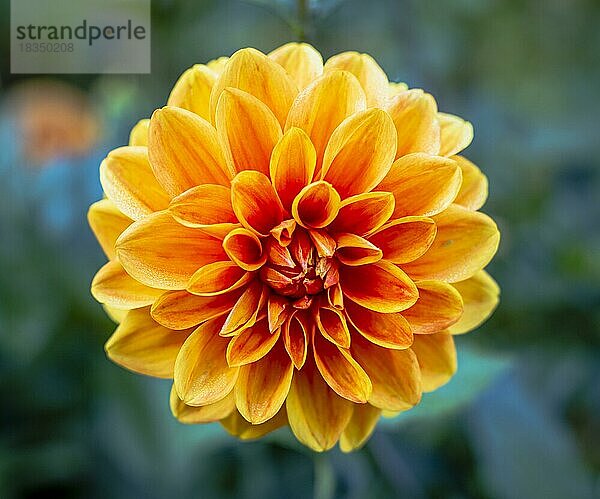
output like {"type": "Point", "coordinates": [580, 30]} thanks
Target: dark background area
{"type": "Point", "coordinates": [520, 419]}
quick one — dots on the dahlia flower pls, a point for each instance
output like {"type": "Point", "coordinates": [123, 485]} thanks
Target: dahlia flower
{"type": "Point", "coordinates": [294, 243]}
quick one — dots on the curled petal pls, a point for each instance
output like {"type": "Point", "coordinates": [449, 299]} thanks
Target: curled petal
{"type": "Point", "coordinates": [386, 330]}
{"type": "Point", "coordinates": [203, 206]}
{"type": "Point", "coordinates": [253, 72]}
{"type": "Point", "coordinates": [360, 152]}
{"type": "Point", "coordinates": [438, 307]}
{"type": "Point", "coordinates": [263, 386]}
{"type": "Point", "coordinates": [316, 205]}
{"type": "Point", "coordinates": [184, 151]}
{"type": "Point", "coordinates": [323, 105]}
{"type": "Point", "coordinates": [405, 239]}
{"type": "Point", "coordinates": [247, 129]}
{"type": "Point", "coordinates": [324, 243]}
{"type": "Point", "coordinates": [283, 232]}
{"type": "Point", "coordinates": [209, 413]}
{"type": "Point", "coordinates": [394, 374]}
{"type": "Point", "coordinates": [370, 75]}
{"type": "Point", "coordinates": [474, 188]}
{"type": "Point", "coordinates": [465, 242]}
{"type": "Point", "coordinates": [335, 296]}
{"type": "Point", "coordinates": [480, 295]}
{"type": "Point", "coordinates": [292, 165]}
{"type": "Point", "coordinates": [317, 415]}
{"type": "Point", "coordinates": [354, 250]}
{"type": "Point", "coordinates": [192, 90]}
{"type": "Point", "coordinates": [116, 288]}
{"type": "Point", "coordinates": [107, 223]}
{"type": "Point", "coordinates": [202, 375]}
{"type": "Point", "coordinates": [245, 249]}
{"type": "Point", "coordinates": [295, 333]}
{"type": "Point", "coordinates": [437, 359]}
{"type": "Point", "coordinates": [139, 133]}
{"type": "Point", "coordinates": [245, 312]}
{"type": "Point", "coordinates": [143, 346]}
{"type": "Point", "coordinates": [237, 426]}
{"type": "Point", "coordinates": [341, 372]}
{"type": "Point", "coordinates": [422, 184]}
{"type": "Point", "coordinates": [161, 253]}
{"type": "Point", "coordinates": [364, 213]}
{"type": "Point", "coordinates": [302, 62]}
{"type": "Point", "coordinates": [255, 202]}
{"type": "Point", "coordinates": [415, 115]}
{"type": "Point", "coordinates": [218, 278]}
{"type": "Point", "coordinates": [360, 427]}
{"type": "Point", "coordinates": [278, 311]}
{"type": "Point", "coordinates": [332, 324]}
{"type": "Point", "coordinates": [380, 286]}
{"type": "Point", "coordinates": [181, 310]}
{"type": "Point", "coordinates": [129, 182]}
{"type": "Point", "coordinates": [456, 134]}
{"type": "Point", "coordinates": [251, 344]}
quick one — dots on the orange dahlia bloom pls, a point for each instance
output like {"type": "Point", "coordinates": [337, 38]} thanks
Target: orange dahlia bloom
{"type": "Point", "coordinates": [294, 244]}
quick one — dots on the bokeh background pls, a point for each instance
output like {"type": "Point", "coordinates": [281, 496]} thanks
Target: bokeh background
{"type": "Point", "coordinates": [521, 419]}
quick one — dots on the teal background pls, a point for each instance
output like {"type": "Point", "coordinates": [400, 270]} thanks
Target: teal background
{"type": "Point", "coordinates": [521, 417]}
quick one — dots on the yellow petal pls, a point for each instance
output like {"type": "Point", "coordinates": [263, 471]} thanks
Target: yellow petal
{"type": "Point", "coordinates": [139, 133]}
{"type": "Point", "coordinates": [394, 375]}
{"type": "Point", "coordinates": [218, 65]}
{"type": "Point", "coordinates": [245, 249]}
{"type": "Point", "coordinates": [380, 286]}
{"type": "Point", "coordinates": [360, 427]}
{"type": "Point", "coordinates": [143, 346]}
{"type": "Point", "coordinates": [218, 278]}
{"type": "Point", "coordinates": [354, 250]}
{"type": "Point", "coordinates": [439, 306]}
{"type": "Point", "coordinates": [364, 213]}
{"type": "Point", "coordinates": [251, 345]}
{"type": "Point", "coordinates": [437, 359]}
{"type": "Point", "coordinates": [480, 295]}
{"type": "Point", "coordinates": [385, 330]}
{"type": "Point", "coordinates": [161, 253]}
{"type": "Point", "coordinates": [129, 182]}
{"type": "Point", "coordinates": [317, 415]}
{"type": "Point", "coordinates": [316, 205]}
{"type": "Point", "coordinates": [116, 315]}
{"type": "Point", "coordinates": [301, 61]}
{"type": "Point", "coordinates": [184, 151]}
{"type": "Point", "coordinates": [247, 130]}
{"type": "Point", "coordinates": [116, 288]}
{"type": "Point", "coordinates": [253, 72]}
{"type": "Point", "coordinates": [341, 372]}
{"type": "Point", "coordinates": [456, 134]}
{"type": "Point", "coordinates": [237, 426]}
{"type": "Point", "coordinates": [332, 325]}
{"type": "Point", "coordinates": [203, 206]}
{"type": "Point", "coordinates": [292, 165]}
{"type": "Point", "coordinates": [360, 152]}
{"type": "Point", "coordinates": [181, 310]}
{"type": "Point", "coordinates": [415, 116]}
{"type": "Point", "coordinates": [107, 223]}
{"type": "Point", "coordinates": [263, 386]}
{"type": "Point", "coordinates": [396, 87]}
{"type": "Point", "coordinates": [255, 202]}
{"type": "Point", "coordinates": [474, 189]}
{"type": "Point", "coordinates": [372, 78]}
{"type": "Point", "coordinates": [422, 184]}
{"type": "Point", "coordinates": [295, 339]}
{"type": "Point", "coordinates": [189, 414]}
{"type": "Point", "coordinates": [465, 242]}
{"type": "Point", "coordinates": [246, 310]}
{"type": "Point", "coordinates": [202, 375]}
{"type": "Point", "coordinates": [192, 90]}
{"type": "Point", "coordinates": [323, 105]}
{"type": "Point", "coordinates": [405, 239]}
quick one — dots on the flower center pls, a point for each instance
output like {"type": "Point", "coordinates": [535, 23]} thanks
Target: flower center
{"type": "Point", "coordinates": [299, 269]}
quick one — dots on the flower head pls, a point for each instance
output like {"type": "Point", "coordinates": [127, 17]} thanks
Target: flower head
{"type": "Point", "coordinates": [294, 244]}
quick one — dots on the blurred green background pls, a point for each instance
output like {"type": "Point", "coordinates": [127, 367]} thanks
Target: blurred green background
{"type": "Point", "coordinates": [521, 419]}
